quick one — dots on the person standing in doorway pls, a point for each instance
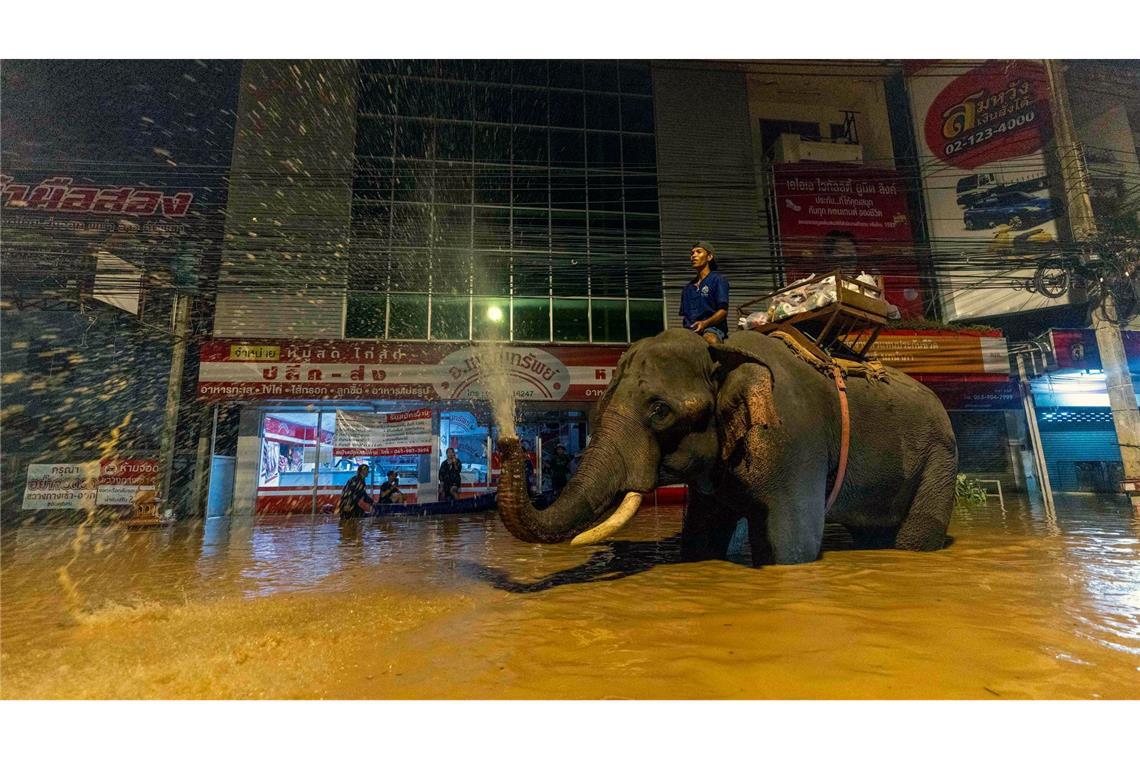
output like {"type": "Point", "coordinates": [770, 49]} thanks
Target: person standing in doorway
{"type": "Point", "coordinates": [559, 468]}
{"type": "Point", "coordinates": [450, 476]}
{"type": "Point", "coordinates": [704, 301]}
{"type": "Point", "coordinates": [354, 495]}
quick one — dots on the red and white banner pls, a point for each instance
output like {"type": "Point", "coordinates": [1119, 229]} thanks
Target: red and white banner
{"type": "Point", "coordinates": [395, 434]}
{"type": "Point", "coordinates": [980, 130]}
{"type": "Point", "coordinates": [819, 205]}
{"type": "Point", "coordinates": [346, 369]}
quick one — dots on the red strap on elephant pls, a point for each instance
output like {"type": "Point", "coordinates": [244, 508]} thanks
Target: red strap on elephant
{"type": "Point", "coordinates": [844, 434]}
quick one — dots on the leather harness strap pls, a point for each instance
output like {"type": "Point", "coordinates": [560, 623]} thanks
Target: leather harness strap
{"type": "Point", "coordinates": [844, 435]}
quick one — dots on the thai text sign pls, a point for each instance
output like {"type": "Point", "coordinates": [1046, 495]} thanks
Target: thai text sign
{"type": "Point", "coordinates": [61, 486]}
{"type": "Point", "coordinates": [941, 353]}
{"type": "Point", "coordinates": [121, 481]}
{"type": "Point", "coordinates": [394, 434]}
{"type": "Point", "coordinates": [346, 369]}
{"type": "Point", "coordinates": [980, 130]}
{"type": "Point", "coordinates": [819, 204]}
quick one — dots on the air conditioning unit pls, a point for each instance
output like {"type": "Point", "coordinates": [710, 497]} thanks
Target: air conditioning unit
{"type": "Point", "coordinates": [791, 149]}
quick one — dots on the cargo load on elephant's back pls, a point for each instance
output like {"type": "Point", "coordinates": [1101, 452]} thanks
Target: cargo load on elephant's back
{"type": "Point", "coordinates": [832, 315]}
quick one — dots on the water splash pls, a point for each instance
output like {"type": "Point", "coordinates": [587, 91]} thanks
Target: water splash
{"type": "Point", "coordinates": [494, 375]}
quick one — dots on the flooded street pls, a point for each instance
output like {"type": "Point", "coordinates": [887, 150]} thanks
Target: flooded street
{"type": "Point", "coordinates": [453, 607]}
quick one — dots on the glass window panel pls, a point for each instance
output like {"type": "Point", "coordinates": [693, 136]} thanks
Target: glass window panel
{"type": "Point", "coordinates": [453, 141]}
{"type": "Point", "coordinates": [491, 319]}
{"type": "Point", "coordinates": [528, 106]}
{"type": "Point", "coordinates": [493, 185]}
{"type": "Point", "coordinates": [603, 150]}
{"type": "Point", "coordinates": [646, 319]}
{"type": "Point", "coordinates": [413, 181]}
{"type": "Point", "coordinates": [638, 153]}
{"type": "Point", "coordinates": [493, 70]}
{"type": "Point", "coordinates": [529, 147]}
{"type": "Point", "coordinates": [492, 228]}
{"type": "Point", "coordinates": [529, 72]}
{"type": "Point", "coordinates": [492, 144]}
{"type": "Point", "coordinates": [457, 68]}
{"type": "Point", "coordinates": [370, 224]}
{"type": "Point", "coordinates": [532, 319]}
{"type": "Point", "coordinates": [602, 111]}
{"type": "Point", "coordinates": [289, 445]}
{"type": "Point", "coordinates": [601, 75]}
{"type": "Point", "coordinates": [567, 148]}
{"type": "Point", "coordinates": [569, 273]}
{"type": "Point", "coordinates": [567, 109]}
{"type": "Point", "coordinates": [416, 97]}
{"type": "Point", "coordinates": [375, 136]}
{"type": "Point", "coordinates": [413, 138]}
{"type": "Point", "coordinates": [450, 317]}
{"type": "Point", "coordinates": [608, 321]}
{"type": "Point", "coordinates": [407, 316]}
{"type": "Point", "coordinates": [606, 234]}
{"type": "Point", "coordinates": [566, 74]}
{"type": "Point", "coordinates": [411, 225]}
{"type": "Point", "coordinates": [531, 229]}
{"type": "Point", "coordinates": [636, 114]}
{"type": "Point", "coordinates": [531, 273]}
{"type": "Point", "coordinates": [378, 96]}
{"type": "Point", "coordinates": [453, 101]}
{"type": "Point", "coordinates": [491, 103]}
{"type": "Point", "coordinates": [378, 66]}
{"type": "Point", "coordinates": [604, 191]}
{"type": "Point", "coordinates": [451, 271]}
{"type": "Point", "coordinates": [635, 78]}
{"type": "Point", "coordinates": [372, 179]}
{"type": "Point", "coordinates": [571, 319]}
{"type": "Point", "coordinates": [568, 231]}
{"type": "Point", "coordinates": [454, 182]}
{"type": "Point", "coordinates": [453, 227]}
{"type": "Point", "coordinates": [492, 273]}
{"type": "Point", "coordinates": [530, 186]}
{"type": "Point", "coordinates": [364, 315]}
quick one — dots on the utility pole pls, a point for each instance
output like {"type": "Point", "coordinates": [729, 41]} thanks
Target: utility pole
{"type": "Point", "coordinates": [1121, 394]}
{"type": "Point", "coordinates": [180, 322]}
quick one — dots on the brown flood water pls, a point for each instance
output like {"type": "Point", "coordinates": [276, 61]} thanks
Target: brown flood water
{"type": "Point", "coordinates": [1020, 606]}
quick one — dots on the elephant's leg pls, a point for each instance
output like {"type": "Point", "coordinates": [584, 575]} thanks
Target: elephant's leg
{"type": "Point", "coordinates": [758, 538]}
{"type": "Point", "coordinates": [795, 522]}
{"type": "Point", "coordinates": [707, 529]}
{"type": "Point", "coordinates": [924, 527]}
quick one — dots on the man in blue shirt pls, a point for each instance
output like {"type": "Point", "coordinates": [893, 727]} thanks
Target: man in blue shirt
{"type": "Point", "coordinates": [704, 301]}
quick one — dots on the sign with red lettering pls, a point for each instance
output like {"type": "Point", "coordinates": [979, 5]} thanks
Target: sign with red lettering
{"type": "Point", "coordinates": [393, 434]}
{"type": "Point", "coordinates": [980, 131]}
{"type": "Point", "coordinates": [835, 216]}
{"type": "Point", "coordinates": [121, 481]}
{"type": "Point", "coordinates": [346, 369]}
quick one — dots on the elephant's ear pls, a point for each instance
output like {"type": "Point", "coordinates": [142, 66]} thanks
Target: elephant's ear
{"type": "Point", "coordinates": [745, 402]}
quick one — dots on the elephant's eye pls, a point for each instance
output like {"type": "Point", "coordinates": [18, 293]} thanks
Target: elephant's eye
{"type": "Point", "coordinates": [659, 411]}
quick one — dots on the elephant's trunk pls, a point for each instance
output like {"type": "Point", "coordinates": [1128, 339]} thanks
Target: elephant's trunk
{"type": "Point", "coordinates": [621, 458]}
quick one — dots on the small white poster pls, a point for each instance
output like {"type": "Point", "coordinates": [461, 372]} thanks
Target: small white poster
{"type": "Point", "coordinates": [370, 434]}
{"type": "Point", "coordinates": [61, 486]}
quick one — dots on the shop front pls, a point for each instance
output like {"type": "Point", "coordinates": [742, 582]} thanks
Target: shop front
{"type": "Point", "coordinates": [1078, 437]}
{"type": "Point", "coordinates": [312, 412]}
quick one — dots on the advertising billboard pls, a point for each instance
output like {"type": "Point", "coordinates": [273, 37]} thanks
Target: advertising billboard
{"type": "Point", "coordinates": [981, 131]}
{"type": "Point", "coordinates": [836, 216]}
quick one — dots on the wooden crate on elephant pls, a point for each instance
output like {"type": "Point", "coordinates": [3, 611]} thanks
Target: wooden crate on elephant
{"type": "Point", "coordinates": [832, 315]}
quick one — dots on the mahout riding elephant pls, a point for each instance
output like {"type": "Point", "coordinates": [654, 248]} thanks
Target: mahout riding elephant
{"type": "Point", "coordinates": [754, 431]}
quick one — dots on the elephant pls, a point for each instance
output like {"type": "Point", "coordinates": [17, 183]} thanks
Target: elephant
{"type": "Point", "coordinates": [755, 432]}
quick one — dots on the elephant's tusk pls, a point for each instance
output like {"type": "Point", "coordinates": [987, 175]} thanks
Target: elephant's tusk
{"type": "Point", "coordinates": [625, 511]}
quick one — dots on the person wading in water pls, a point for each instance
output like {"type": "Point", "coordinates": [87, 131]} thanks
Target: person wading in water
{"type": "Point", "coordinates": [354, 493]}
